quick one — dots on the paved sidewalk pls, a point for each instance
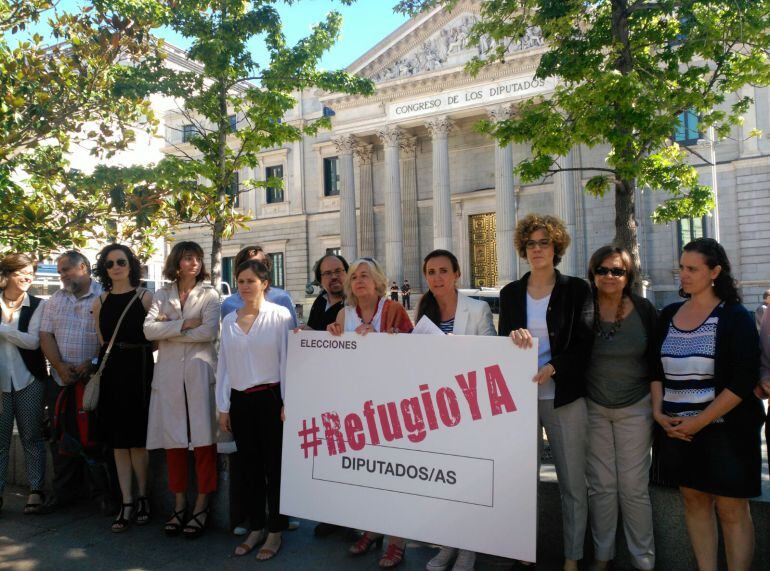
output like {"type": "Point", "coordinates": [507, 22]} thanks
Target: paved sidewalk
{"type": "Point", "coordinates": [79, 538]}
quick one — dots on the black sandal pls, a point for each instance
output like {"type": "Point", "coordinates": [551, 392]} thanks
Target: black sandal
{"type": "Point", "coordinates": [171, 529]}
{"type": "Point", "coordinates": [195, 531]}
{"type": "Point", "coordinates": [142, 516]}
{"type": "Point", "coordinates": [31, 509]}
{"type": "Point", "coordinates": [123, 523]}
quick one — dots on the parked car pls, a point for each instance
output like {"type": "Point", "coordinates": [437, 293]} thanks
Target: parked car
{"type": "Point", "coordinates": [490, 295]}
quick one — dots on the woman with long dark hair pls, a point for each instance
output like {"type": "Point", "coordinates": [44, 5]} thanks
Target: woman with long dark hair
{"type": "Point", "coordinates": [456, 314]}
{"type": "Point", "coordinates": [184, 319]}
{"type": "Point", "coordinates": [623, 362]}
{"type": "Point", "coordinates": [556, 309]}
{"type": "Point", "coordinates": [124, 396]}
{"type": "Point", "coordinates": [704, 400]}
{"type": "Point", "coordinates": [22, 374]}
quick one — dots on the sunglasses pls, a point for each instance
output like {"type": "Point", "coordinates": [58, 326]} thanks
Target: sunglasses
{"type": "Point", "coordinates": [616, 272]}
{"type": "Point", "coordinates": [122, 262]}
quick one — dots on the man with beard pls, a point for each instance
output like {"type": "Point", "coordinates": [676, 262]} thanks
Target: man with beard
{"type": "Point", "coordinates": [330, 271]}
{"type": "Point", "coordinates": [68, 340]}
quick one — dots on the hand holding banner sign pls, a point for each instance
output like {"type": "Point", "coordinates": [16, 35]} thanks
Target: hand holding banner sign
{"type": "Point", "coordinates": [432, 438]}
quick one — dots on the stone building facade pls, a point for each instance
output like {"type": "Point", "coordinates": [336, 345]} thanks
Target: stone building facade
{"type": "Point", "coordinates": [404, 171]}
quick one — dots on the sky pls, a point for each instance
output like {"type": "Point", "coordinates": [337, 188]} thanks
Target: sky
{"type": "Point", "coordinates": [364, 24]}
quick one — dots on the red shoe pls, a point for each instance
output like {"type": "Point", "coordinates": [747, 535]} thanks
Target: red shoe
{"type": "Point", "coordinates": [365, 543]}
{"type": "Point", "coordinates": [394, 555]}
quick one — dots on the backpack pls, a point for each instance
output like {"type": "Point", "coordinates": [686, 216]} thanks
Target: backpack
{"type": "Point", "coordinates": [74, 428]}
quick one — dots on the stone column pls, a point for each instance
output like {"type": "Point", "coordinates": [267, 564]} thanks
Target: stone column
{"type": "Point", "coordinates": [409, 211]}
{"type": "Point", "coordinates": [439, 128]}
{"type": "Point", "coordinates": [348, 234]}
{"type": "Point", "coordinates": [394, 231]}
{"type": "Point", "coordinates": [505, 203]}
{"type": "Point", "coordinates": [564, 207]}
{"type": "Point", "coordinates": [366, 213]}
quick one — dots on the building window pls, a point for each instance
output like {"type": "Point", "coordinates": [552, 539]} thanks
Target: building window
{"type": "Point", "coordinates": [276, 272]}
{"type": "Point", "coordinates": [687, 132]}
{"type": "Point", "coordinates": [188, 132]}
{"type": "Point", "coordinates": [233, 120]}
{"type": "Point", "coordinates": [328, 112]}
{"type": "Point", "coordinates": [334, 251]}
{"type": "Point", "coordinates": [688, 229]}
{"type": "Point", "coordinates": [274, 193]}
{"type": "Point", "coordinates": [234, 190]}
{"type": "Point", "coordinates": [331, 177]}
{"type": "Point", "coordinates": [227, 271]}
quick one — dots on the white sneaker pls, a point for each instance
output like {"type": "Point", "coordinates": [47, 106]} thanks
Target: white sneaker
{"type": "Point", "coordinates": [442, 560]}
{"type": "Point", "coordinates": [465, 560]}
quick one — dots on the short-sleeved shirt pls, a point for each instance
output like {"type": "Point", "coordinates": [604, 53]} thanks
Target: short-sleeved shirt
{"type": "Point", "coordinates": [70, 320]}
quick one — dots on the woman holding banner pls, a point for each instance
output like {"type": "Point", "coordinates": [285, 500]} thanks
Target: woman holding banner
{"type": "Point", "coordinates": [367, 311]}
{"type": "Point", "coordinates": [455, 314]}
{"type": "Point", "coordinates": [620, 410]}
{"type": "Point", "coordinates": [249, 394]}
{"type": "Point", "coordinates": [558, 311]}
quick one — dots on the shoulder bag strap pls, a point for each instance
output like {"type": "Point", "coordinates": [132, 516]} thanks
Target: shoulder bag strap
{"type": "Point", "coordinates": [115, 333]}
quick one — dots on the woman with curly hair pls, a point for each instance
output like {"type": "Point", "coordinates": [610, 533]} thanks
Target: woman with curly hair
{"type": "Point", "coordinates": [558, 311]}
{"type": "Point", "coordinates": [705, 402]}
{"type": "Point", "coordinates": [124, 396]}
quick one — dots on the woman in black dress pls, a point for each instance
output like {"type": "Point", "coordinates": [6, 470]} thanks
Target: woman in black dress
{"type": "Point", "coordinates": [125, 386]}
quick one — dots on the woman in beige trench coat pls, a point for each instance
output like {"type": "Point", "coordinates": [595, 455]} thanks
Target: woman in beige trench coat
{"type": "Point", "coordinates": [184, 319]}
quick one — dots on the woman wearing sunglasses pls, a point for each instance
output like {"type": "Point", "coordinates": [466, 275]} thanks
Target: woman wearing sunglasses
{"type": "Point", "coordinates": [623, 360]}
{"type": "Point", "coordinates": [557, 310]}
{"type": "Point", "coordinates": [124, 396]}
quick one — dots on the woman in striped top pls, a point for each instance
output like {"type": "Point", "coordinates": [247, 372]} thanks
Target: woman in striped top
{"type": "Point", "coordinates": [705, 402]}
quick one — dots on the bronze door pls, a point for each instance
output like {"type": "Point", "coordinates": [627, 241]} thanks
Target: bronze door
{"type": "Point", "coordinates": [483, 250]}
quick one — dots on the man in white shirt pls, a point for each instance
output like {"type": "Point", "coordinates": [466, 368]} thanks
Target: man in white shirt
{"type": "Point", "coordinates": [68, 340]}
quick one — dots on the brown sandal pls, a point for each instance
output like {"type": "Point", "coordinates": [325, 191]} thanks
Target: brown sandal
{"type": "Point", "coordinates": [269, 552]}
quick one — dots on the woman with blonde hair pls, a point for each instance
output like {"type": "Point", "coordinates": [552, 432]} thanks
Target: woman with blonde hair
{"type": "Point", "coordinates": [367, 311]}
{"type": "Point", "coordinates": [184, 319]}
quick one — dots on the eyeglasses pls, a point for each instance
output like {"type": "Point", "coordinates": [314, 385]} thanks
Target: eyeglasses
{"type": "Point", "coordinates": [336, 273]}
{"type": "Point", "coordinates": [616, 272]}
{"type": "Point", "coordinates": [122, 262]}
{"type": "Point", "coordinates": [543, 243]}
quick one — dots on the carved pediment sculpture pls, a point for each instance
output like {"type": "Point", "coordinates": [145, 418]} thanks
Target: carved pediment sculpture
{"type": "Point", "coordinates": [448, 47]}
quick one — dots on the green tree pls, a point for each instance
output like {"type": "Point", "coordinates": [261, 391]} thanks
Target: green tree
{"type": "Point", "coordinates": [231, 83]}
{"type": "Point", "coordinates": [626, 70]}
{"type": "Point", "coordinates": [53, 98]}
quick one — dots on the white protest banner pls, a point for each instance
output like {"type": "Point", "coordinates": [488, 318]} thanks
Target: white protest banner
{"type": "Point", "coordinates": [427, 437]}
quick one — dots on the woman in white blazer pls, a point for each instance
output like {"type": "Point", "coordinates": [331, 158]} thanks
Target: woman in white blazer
{"type": "Point", "coordinates": [457, 314]}
{"type": "Point", "coordinates": [184, 319]}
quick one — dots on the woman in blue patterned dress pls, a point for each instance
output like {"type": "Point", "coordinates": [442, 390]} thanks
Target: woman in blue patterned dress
{"type": "Point", "coordinates": [705, 401]}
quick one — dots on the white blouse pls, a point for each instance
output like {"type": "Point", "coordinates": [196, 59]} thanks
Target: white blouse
{"type": "Point", "coordinates": [254, 358]}
{"type": "Point", "coordinates": [352, 320]}
{"type": "Point", "coordinates": [13, 372]}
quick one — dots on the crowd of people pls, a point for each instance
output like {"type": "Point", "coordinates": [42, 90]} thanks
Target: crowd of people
{"type": "Point", "coordinates": [625, 393]}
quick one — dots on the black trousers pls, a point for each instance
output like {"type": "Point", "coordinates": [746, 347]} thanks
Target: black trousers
{"type": "Point", "coordinates": [255, 419]}
{"type": "Point", "coordinates": [79, 476]}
